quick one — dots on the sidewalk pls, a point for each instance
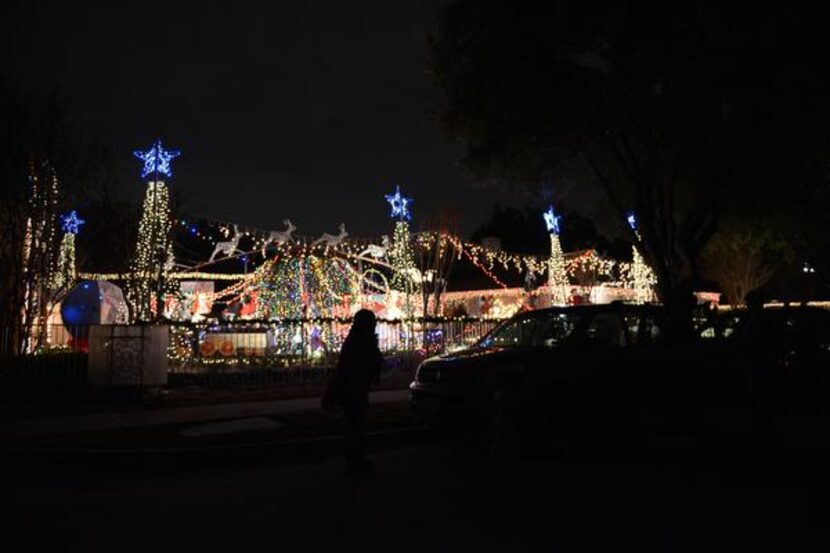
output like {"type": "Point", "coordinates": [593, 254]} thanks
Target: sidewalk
{"type": "Point", "coordinates": [97, 422]}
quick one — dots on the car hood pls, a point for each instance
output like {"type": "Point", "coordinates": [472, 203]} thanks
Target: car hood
{"type": "Point", "coordinates": [480, 356]}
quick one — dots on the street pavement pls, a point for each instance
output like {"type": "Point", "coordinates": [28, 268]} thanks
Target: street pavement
{"type": "Point", "coordinates": [425, 497]}
{"type": "Point", "coordinates": [96, 422]}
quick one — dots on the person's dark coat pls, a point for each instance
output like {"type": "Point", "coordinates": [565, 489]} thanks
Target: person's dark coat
{"type": "Point", "coordinates": [359, 365]}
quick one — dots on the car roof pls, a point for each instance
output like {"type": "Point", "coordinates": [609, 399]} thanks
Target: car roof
{"type": "Point", "coordinates": [592, 308]}
{"type": "Point", "coordinates": [779, 310]}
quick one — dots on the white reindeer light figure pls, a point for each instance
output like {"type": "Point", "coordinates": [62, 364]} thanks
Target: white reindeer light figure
{"type": "Point", "coordinates": [228, 247]}
{"type": "Point", "coordinates": [279, 237]}
{"type": "Point", "coordinates": [332, 240]}
{"type": "Point", "coordinates": [378, 252]}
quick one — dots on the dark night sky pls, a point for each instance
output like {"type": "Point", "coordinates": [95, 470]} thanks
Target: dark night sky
{"type": "Point", "coordinates": [310, 111]}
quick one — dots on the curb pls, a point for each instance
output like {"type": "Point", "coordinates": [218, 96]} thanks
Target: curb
{"type": "Point", "coordinates": [291, 451]}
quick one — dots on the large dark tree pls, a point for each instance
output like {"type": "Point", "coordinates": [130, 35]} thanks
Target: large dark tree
{"type": "Point", "coordinates": [111, 220]}
{"type": "Point", "coordinates": [524, 231]}
{"type": "Point", "coordinates": [806, 221]}
{"type": "Point", "coordinates": [743, 255]}
{"type": "Point", "coordinates": [666, 109]}
{"type": "Point", "coordinates": [38, 172]}
{"type": "Point", "coordinates": [47, 168]}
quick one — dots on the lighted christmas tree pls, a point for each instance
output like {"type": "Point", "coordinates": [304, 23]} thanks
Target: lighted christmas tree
{"type": "Point", "coordinates": [401, 255]}
{"type": "Point", "coordinates": [149, 282]}
{"type": "Point", "coordinates": [65, 272]}
{"type": "Point", "coordinates": [557, 277]}
{"type": "Point", "coordinates": [641, 277]}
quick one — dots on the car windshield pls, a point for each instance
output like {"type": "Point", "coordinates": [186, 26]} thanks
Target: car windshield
{"type": "Point", "coordinates": [534, 330]}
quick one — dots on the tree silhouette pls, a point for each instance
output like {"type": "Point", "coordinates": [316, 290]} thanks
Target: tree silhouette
{"type": "Point", "coordinates": [665, 109]}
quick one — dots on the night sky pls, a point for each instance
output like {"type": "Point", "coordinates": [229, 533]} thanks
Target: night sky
{"type": "Point", "coordinates": [310, 111]}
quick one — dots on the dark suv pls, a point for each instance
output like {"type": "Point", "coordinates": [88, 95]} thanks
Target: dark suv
{"type": "Point", "coordinates": [607, 370]}
{"type": "Point", "coordinates": [561, 358]}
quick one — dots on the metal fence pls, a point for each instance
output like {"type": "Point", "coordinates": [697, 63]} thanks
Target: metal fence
{"type": "Point", "coordinates": [43, 339]}
{"type": "Point", "coordinates": [296, 351]}
{"type": "Point", "coordinates": [303, 350]}
{"type": "Point", "coordinates": [310, 341]}
{"type": "Point", "coordinates": [56, 360]}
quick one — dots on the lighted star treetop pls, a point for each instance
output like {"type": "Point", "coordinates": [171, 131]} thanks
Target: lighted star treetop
{"type": "Point", "coordinates": [632, 221]}
{"type": "Point", "coordinates": [552, 220]}
{"type": "Point", "coordinates": [399, 205]}
{"type": "Point", "coordinates": [156, 160]}
{"type": "Point", "coordinates": [71, 223]}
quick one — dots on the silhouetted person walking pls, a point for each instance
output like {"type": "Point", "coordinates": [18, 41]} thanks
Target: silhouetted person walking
{"type": "Point", "coordinates": [358, 368]}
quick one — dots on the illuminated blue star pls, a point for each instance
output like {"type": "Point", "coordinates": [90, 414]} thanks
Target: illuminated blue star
{"type": "Point", "coordinates": [552, 221]}
{"type": "Point", "coordinates": [71, 223]}
{"type": "Point", "coordinates": [156, 160]}
{"type": "Point", "coordinates": [399, 205]}
{"type": "Point", "coordinates": [632, 221]}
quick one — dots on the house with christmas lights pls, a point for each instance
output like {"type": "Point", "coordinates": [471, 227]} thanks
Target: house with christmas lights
{"type": "Point", "coordinates": [283, 278]}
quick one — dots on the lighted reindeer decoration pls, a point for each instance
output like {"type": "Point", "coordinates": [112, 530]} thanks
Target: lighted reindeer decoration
{"type": "Point", "coordinates": [228, 247]}
{"type": "Point", "coordinates": [332, 240]}
{"type": "Point", "coordinates": [279, 237]}
{"type": "Point", "coordinates": [378, 252]}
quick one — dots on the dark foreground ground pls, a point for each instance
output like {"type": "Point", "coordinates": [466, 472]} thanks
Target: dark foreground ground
{"type": "Point", "coordinates": [432, 496]}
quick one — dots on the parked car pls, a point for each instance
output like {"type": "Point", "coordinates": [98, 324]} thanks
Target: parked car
{"type": "Point", "coordinates": [574, 362]}
{"type": "Point", "coordinates": [785, 356]}
{"type": "Point", "coordinates": [608, 371]}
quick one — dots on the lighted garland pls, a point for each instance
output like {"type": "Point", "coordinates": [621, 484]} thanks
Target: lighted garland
{"type": "Point", "coordinates": [489, 260]}
{"type": "Point", "coordinates": [245, 282]}
{"type": "Point", "coordinates": [186, 275]}
{"type": "Point", "coordinates": [609, 272]}
{"type": "Point", "coordinates": [575, 262]}
{"type": "Point", "coordinates": [485, 259]}
{"type": "Point", "coordinates": [577, 266]}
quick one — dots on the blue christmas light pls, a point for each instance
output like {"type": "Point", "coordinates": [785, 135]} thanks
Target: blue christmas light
{"type": "Point", "coordinates": [156, 160]}
{"type": "Point", "coordinates": [632, 221]}
{"type": "Point", "coordinates": [399, 205]}
{"type": "Point", "coordinates": [552, 221]}
{"type": "Point", "coordinates": [71, 223]}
